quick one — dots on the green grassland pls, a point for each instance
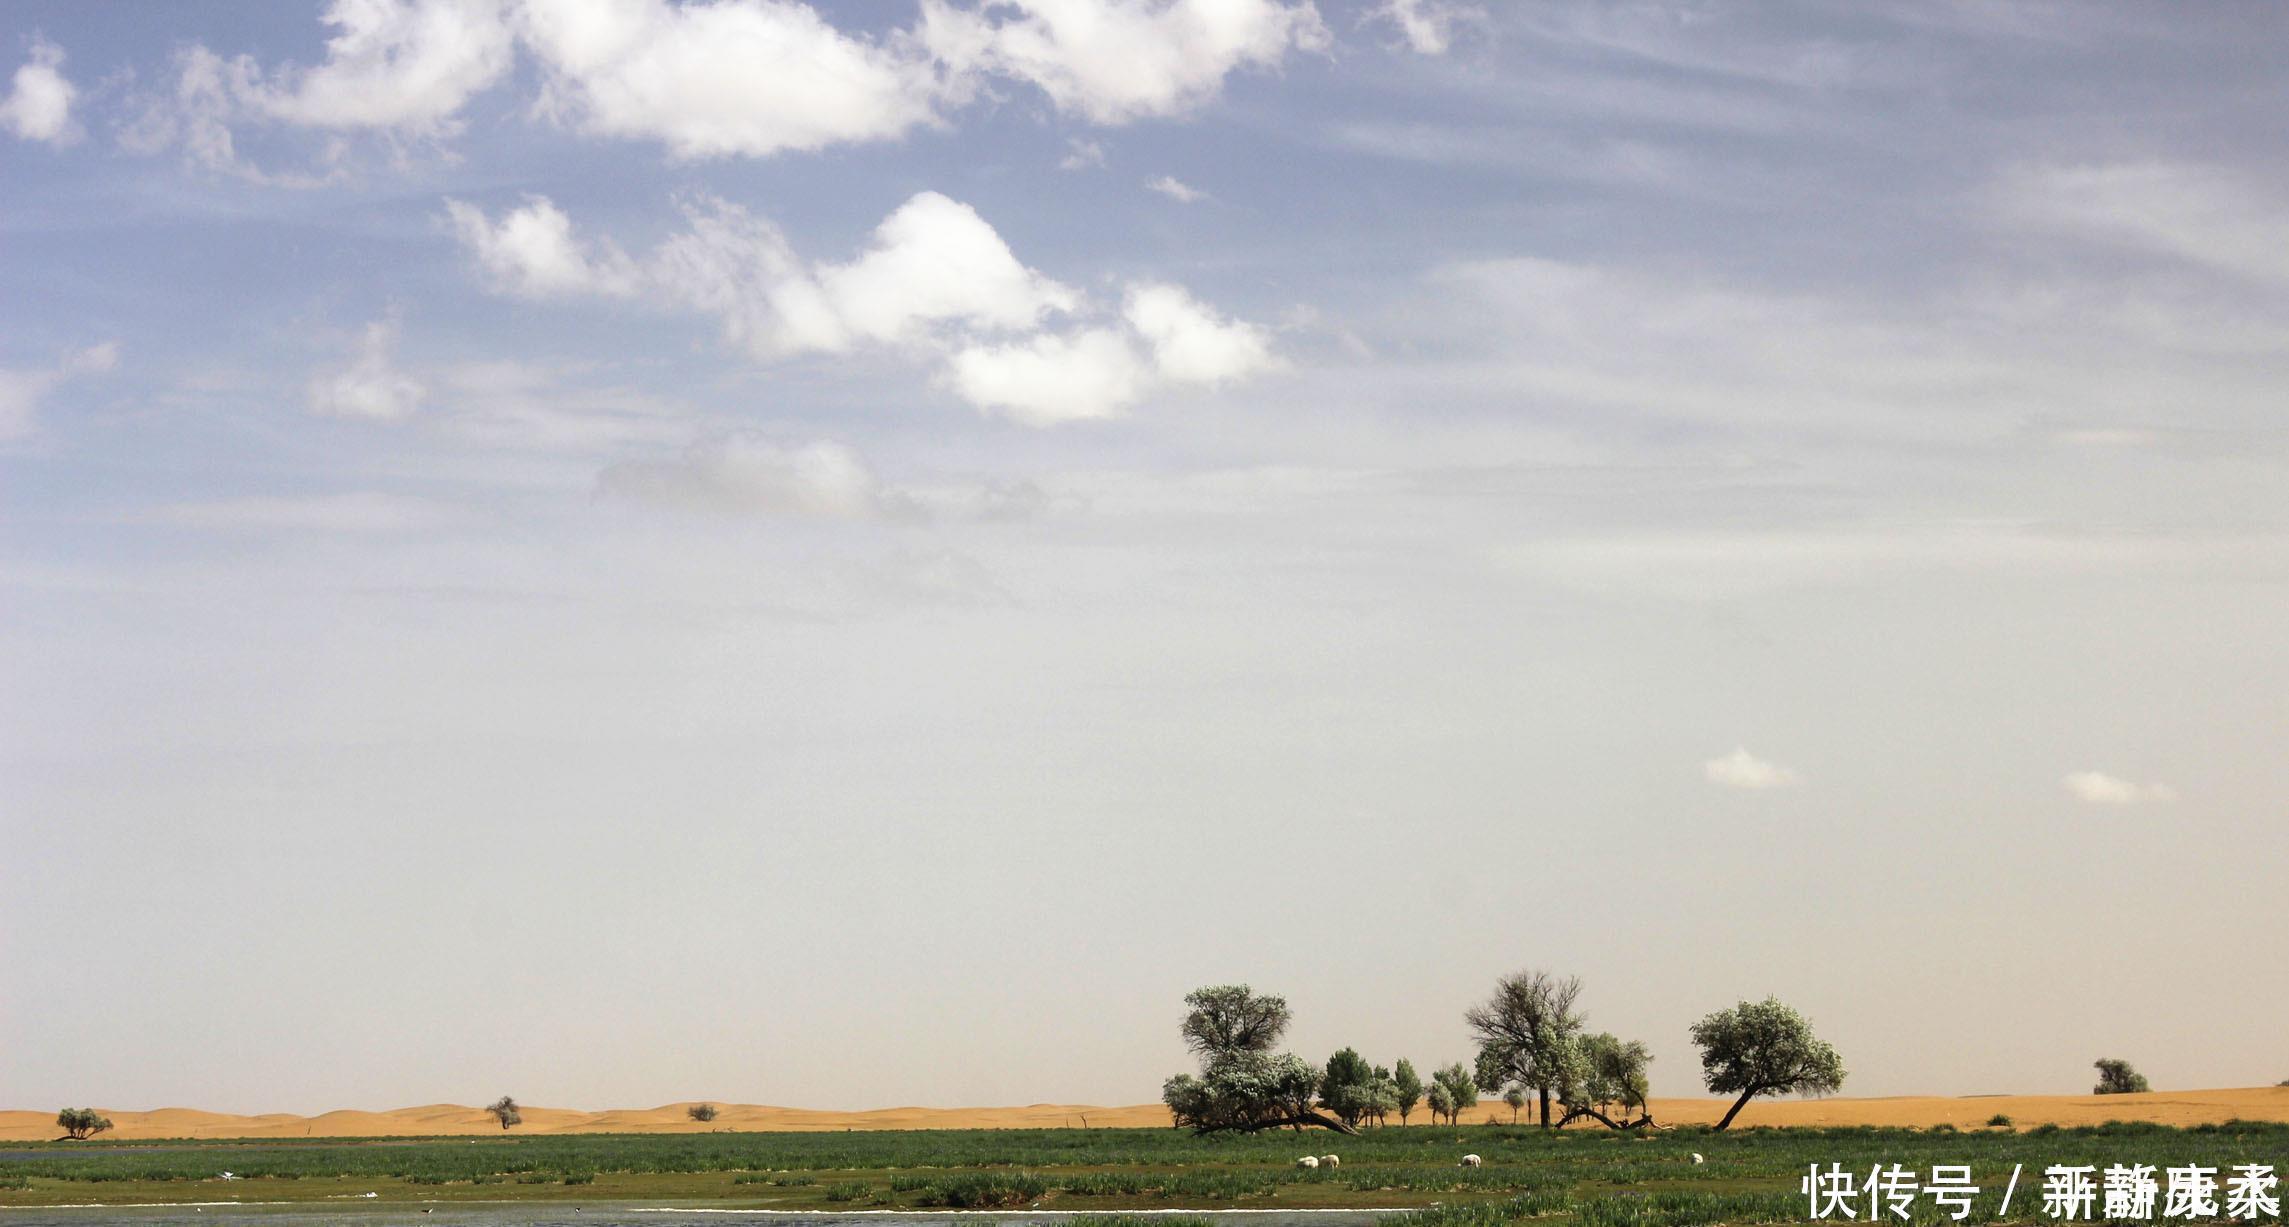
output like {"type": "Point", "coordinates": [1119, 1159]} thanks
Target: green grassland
{"type": "Point", "coordinates": [1594, 1178]}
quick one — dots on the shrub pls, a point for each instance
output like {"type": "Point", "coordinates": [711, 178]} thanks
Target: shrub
{"type": "Point", "coordinates": [80, 1124]}
{"type": "Point", "coordinates": [1998, 1121]}
{"type": "Point", "coordinates": [701, 1112]}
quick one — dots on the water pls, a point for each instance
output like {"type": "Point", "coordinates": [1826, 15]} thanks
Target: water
{"type": "Point", "coordinates": [303, 1214]}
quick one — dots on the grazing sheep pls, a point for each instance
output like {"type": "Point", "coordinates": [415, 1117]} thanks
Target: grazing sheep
{"type": "Point", "coordinates": [1308, 1161]}
{"type": "Point", "coordinates": [1696, 1156]}
{"type": "Point", "coordinates": [1330, 1161]}
{"type": "Point", "coordinates": [1471, 1161]}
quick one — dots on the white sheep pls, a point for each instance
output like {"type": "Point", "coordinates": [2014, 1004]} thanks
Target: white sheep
{"type": "Point", "coordinates": [1696, 1156]}
{"type": "Point", "coordinates": [1308, 1161]}
{"type": "Point", "coordinates": [1330, 1161]}
{"type": "Point", "coordinates": [1471, 1161]}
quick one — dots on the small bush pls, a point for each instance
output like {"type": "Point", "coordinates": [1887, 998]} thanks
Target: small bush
{"type": "Point", "coordinates": [1998, 1121]}
{"type": "Point", "coordinates": [701, 1112]}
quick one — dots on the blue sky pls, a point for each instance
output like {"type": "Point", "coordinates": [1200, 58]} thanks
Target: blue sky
{"type": "Point", "coordinates": [927, 530]}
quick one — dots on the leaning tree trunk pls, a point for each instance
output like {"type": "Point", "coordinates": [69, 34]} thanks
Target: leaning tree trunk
{"type": "Point", "coordinates": [1738, 1104]}
{"type": "Point", "coordinates": [1575, 1114]}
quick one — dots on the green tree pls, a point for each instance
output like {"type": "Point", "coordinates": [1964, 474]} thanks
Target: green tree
{"type": "Point", "coordinates": [1526, 1033]}
{"type": "Point", "coordinates": [1461, 1090]}
{"type": "Point", "coordinates": [1516, 1098]}
{"type": "Point", "coordinates": [701, 1112]}
{"type": "Point", "coordinates": [1764, 1048]}
{"type": "Point", "coordinates": [1442, 1101]}
{"type": "Point", "coordinates": [1610, 1071]}
{"type": "Point", "coordinates": [80, 1124]}
{"type": "Point", "coordinates": [1409, 1086]}
{"type": "Point", "coordinates": [1348, 1087]}
{"type": "Point", "coordinates": [2117, 1078]}
{"type": "Point", "coordinates": [505, 1111]}
{"type": "Point", "coordinates": [1242, 1085]}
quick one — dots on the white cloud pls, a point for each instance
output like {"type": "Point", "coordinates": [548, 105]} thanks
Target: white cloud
{"type": "Point", "coordinates": [1081, 154]}
{"type": "Point", "coordinates": [2190, 212]}
{"type": "Point", "coordinates": [1427, 25]}
{"type": "Point", "coordinates": [1176, 189]}
{"type": "Point", "coordinates": [393, 64]}
{"type": "Point", "coordinates": [750, 474]}
{"type": "Point", "coordinates": [21, 391]}
{"type": "Point", "coordinates": [2099, 788]}
{"type": "Point", "coordinates": [1741, 769]}
{"type": "Point", "coordinates": [935, 281]}
{"type": "Point", "coordinates": [370, 388]}
{"type": "Point", "coordinates": [1191, 343]}
{"type": "Point", "coordinates": [530, 252]}
{"type": "Point", "coordinates": [1051, 378]}
{"type": "Point", "coordinates": [39, 102]}
{"type": "Point", "coordinates": [1113, 61]}
{"type": "Point", "coordinates": [752, 77]}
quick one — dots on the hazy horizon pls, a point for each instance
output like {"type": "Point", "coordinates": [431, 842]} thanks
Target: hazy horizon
{"type": "Point", "coordinates": [849, 554]}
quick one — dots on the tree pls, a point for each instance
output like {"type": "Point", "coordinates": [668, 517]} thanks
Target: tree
{"type": "Point", "coordinates": [1526, 1033]}
{"type": "Point", "coordinates": [1442, 1102]}
{"type": "Point", "coordinates": [1242, 1085]}
{"type": "Point", "coordinates": [1348, 1087]}
{"type": "Point", "coordinates": [1409, 1086]}
{"type": "Point", "coordinates": [80, 1124]}
{"type": "Point", "coordinates": [701, 1112]}
{"type": "Point", "coordinates": [1516, 1098]}
{"type": "Point", "coordinates": [1764, 1048]}
{"type": "Point", "coordinates": [1461, 1090]}
{"type": "Point", "coordinates": [2117, 1078]}
{"type": "Point", "coordinates": [1228, 1018]}
{"type": "Point", "coordinates": [505, 1111]}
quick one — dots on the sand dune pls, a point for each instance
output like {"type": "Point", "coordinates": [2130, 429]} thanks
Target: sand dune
{"type": "Point", "coordinates": [435, 1120]}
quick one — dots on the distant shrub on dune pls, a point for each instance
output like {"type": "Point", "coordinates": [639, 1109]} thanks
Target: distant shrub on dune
{"type": "Point", "coordinates": [2117, 1078]}
{"type": "Point", "coordinates": [505, 1111]}
{"type": "Point", "coordinates": [1998, 1121]}
{"type": "Point", "coordinates": [80, 1124]}
{"type": "Point", "coordinates": [701, 1112]}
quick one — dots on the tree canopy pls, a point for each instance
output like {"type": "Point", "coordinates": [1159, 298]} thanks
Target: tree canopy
{"type": "Point", "coordinates": [1241, 1084]}
{"type": "Point", "coordinates": [1764, 1048]}
{"type": "Point", "coordinates": [2115, 1077]}
{"type": "Point", "coordinates": [505, 1111]}
{"type": "Point", "coordinates": [80, 1124]}
{"type": "Point", "coordinates": [1408, 1085]}
{"type": "Point", "coordinates": [1526, 1033]}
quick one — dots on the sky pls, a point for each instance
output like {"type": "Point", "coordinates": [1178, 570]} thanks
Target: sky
{"type": "Point", "coordinates": [849, 554]}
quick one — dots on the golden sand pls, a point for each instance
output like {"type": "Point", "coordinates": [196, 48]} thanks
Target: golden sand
{"type": "Point", "coordinates": [436, 1120]}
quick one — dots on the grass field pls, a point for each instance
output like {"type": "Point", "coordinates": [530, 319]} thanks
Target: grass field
{"type": "Point", "coordinates": [1593, 1178]}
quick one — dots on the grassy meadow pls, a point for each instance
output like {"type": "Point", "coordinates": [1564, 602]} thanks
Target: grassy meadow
{"type": "Point", "coordinates": [1595, 1177]}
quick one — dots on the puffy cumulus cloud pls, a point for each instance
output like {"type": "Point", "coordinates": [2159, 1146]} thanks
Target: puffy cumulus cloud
{"type": "Point", "coordinates": [1741, 769]}
{"type": "Point", "coordinates": [39, 102]}
{"type": "Point", "coordinates": [370, 388]}
{"type": "Point", "coordinates": [22, 391]}
{"type": "Point", "coordinates": [2099, 788]}
{"type": "Point", "coordinates": [1193, 344]}
{"type": "Point", "coordinates": [400, 64]}
{"type": "Point", "coordinates": [935, 281]}
{"type": "Point", "coordinates": [1113, 61]}
{"type": "Point", "coordinates": [1176, 189]}
{"type": "Point", "coordinates": [751, 77]}
{"type": "Point", "coordinates": [932, 265]}
{"type": "Point", "coordinates": [1428, 26]}
{"type": "Point", "coordinates": [751, 474]}
{"type": "Point", "coordinates": [1048, 379]}
{"type": "Point", "coordinates": [402, 68]}
{"type": "Point", "coordinates": [531, 252]}
{"type": "Point", "coordinates": [706, 78]}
